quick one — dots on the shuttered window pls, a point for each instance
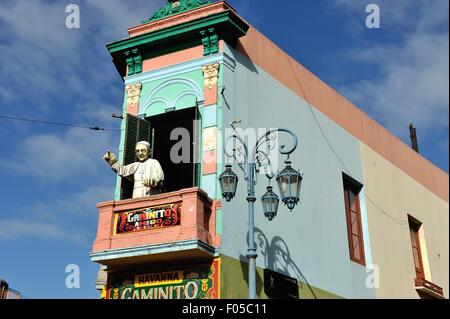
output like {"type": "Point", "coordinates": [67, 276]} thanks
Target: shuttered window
{"type": "Point", "coordinates": [136, 130]}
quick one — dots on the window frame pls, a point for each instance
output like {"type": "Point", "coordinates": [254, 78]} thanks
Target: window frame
{"type": "Point", "coordinates": [414, 226]}
{"type": "Point", "coordinates": [350, 185]}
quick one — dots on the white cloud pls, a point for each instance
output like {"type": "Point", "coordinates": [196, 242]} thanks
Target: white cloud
{"type": "Point", "coordinates": [412, 86]}
{"type": "Point", "coordinates": [412, 68]}
{"type": "Point", "coordinates": [63, 218]}
{"type": "Point", "coordinates": [59, 158]}
{"type": "Point", "coordinates": [41, 52]}
{"type": "Point", "coordinates": [14, 229]}
{"type": "Point", "coordinates": [398, 12]}
{"type": "Point", "coordinates": [72, 205]}
{"type": "Point", "coordinates": [114, 17]}
{"type": "Point", "coordinates": [48, 62]}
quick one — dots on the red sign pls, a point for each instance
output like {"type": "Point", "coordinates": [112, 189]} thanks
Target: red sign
{"type": "Point", "coordinates": [148, 218]}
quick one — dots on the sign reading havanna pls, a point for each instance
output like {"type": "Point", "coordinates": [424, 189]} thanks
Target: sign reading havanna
{"type": "Point", "coordinates": [200, 283]}
{"type": "Point", "coordinates": [148, 218]}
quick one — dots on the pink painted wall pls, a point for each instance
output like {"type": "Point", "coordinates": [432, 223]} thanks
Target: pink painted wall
{"type": "Point", "coordinates": [195, 205]}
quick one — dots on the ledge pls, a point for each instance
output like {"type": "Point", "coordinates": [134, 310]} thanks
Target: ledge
{"type": "Point", "coordinates": [427, 287]}
{"type": "Point", "coordinates": [154, 253]}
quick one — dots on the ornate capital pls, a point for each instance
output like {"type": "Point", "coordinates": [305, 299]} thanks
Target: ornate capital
{"type": "Point", "coordinates": [211, 74]}
{"type": "Point", "coordinates": [133, 93]}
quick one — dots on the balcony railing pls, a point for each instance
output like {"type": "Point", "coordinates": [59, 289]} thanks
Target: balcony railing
{"type": "Point", "coordinates": [177, 225]}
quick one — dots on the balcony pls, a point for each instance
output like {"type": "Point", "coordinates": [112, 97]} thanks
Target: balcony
{"type": "Point", "coordinates": [166, 227]}
{"type": "Point", "coordinates": [428, 288]}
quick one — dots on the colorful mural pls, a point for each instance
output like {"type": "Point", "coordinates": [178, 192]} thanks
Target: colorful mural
{"type": "Point", "coordinates": [148, 218]}
{"type": "Point", "coordinates": [201, 282]}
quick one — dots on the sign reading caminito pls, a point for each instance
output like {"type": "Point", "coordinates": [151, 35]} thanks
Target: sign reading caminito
{"type": "Point", "coordinates": [148, 218]}
{"type": "Point", "coordinates": [199, 283]}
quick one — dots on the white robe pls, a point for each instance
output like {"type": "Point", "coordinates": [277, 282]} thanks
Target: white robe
{"type": "Point", "coordinates": [139, 172]}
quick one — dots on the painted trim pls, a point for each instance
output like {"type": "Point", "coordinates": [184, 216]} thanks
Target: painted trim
{"type": "Point", "coordinates": [183, 67]}
{"type": "Point", "coordinates": [112, 254]}
{"type": "Point", "coordinates": [227, 17]}
{"type": "Point", "coordinates": [365, 228]}
{"type": "Point", "coordinates": [192, 90]}
{"type": "Point", "coordinates": [228, 61]}
{"type": "Point", "coordinates": [177, 19]}
{"type": "Point", "coordinates": [121, 146]}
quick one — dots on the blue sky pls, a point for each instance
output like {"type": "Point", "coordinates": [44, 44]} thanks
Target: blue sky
{"type": "Point", "coordinates": [53, 176]}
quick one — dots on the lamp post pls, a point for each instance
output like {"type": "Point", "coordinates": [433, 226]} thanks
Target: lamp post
{"type": "Point", "coordinates": [250, 160]}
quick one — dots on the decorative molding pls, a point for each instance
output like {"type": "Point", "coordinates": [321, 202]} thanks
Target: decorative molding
{"type": "Point", "coordinates": [177, 6]}
{"type": "Point", "coordinates": [229, 62]}
{"type": "Point", "coordinates": [133, 93]}
{"type": "Point", "coordinates": [174, 70]}
{"type": "Point", "coordinates": [214, 41]}
{"type": "Point", "coordinates": [192, 89]}
{"type": "Point", "coordinates": [210, 41]}
{"type": "Point", "coordinates": [209, 140]}
{"type": "Point", "coordinates": [186, 245]}
{"type": "Point", "coordinates": [134, 61]}
{"type": "Point", "coordinates": [205, 42]}
{"type": "Point", "coordinates": [211, 74]}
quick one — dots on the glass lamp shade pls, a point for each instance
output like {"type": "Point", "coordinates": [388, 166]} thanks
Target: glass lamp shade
{"type": "Point", "coordinates": [289, 182]}
{"type": "Point", "coordinates": [228, 183]}
{"type": "Point", "coordinates": [270, 203]}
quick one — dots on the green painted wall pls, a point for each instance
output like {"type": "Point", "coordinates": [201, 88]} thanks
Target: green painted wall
{"type": "Point", "coordinates": [169, 89]}
{"type": "Point", "coordinates": [236, 287]}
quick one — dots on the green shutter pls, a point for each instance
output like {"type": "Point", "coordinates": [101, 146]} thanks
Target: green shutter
{"type": "Point", "coordinates": [144, 131]}
{"type": "Point", "coordinates": [196, 152]}
{"type": "Point", "coordinates": [136, 130]}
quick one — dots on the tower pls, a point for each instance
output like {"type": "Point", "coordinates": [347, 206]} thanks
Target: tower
{"type": "Point", "coordinates": [166, 246]}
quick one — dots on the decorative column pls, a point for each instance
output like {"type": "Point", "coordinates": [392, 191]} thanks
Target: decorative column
{"type": "Point", "coordinates": [211, 77]}
{"type": "Point", "coordinates": [209, 115]}
{"type": "Point", "coordinates": [133, 94]}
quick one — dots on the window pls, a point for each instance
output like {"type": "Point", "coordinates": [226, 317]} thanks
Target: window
{"type": "Point", "coordinates": [157, 131]}
{"type": "Point", "coordinates": [414, 227]}
{"type": "Point", "coordinates": [424, 287]}
{"type": "Point", "coordinates": [353, 216]}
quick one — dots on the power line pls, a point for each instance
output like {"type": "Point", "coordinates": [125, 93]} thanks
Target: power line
{"type": "Point", "coordinates": [395, 220]}
{"type": "Point", "coordinates": [93, 128]}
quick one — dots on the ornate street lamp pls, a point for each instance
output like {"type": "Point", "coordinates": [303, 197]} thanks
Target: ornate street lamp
{"type": "Point", "coordinates": [289, 182]}
{"type": "Point", "coordinates": [228, 183]}
{"type": "Point", "coordinates": [270, 203]}
{"type": "Point", "coordinates": [250, 162]}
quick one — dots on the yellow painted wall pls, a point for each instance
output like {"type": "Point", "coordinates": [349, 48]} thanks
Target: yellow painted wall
{"type": "Point", "coordinates": [396, 194]}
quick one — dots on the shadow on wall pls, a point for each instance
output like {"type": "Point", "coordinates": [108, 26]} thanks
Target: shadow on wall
{"type": "Point", "coordinates": [243, 57]}
{"type": "Point", "coordinates": [277, 258]}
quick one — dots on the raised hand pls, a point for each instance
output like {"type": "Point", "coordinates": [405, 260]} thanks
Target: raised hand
{"type": "Point", "coordinates": [110, 158]}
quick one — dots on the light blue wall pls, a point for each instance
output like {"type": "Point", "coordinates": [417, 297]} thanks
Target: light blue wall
{"type": "Point", "coordinates": [315, 233]}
